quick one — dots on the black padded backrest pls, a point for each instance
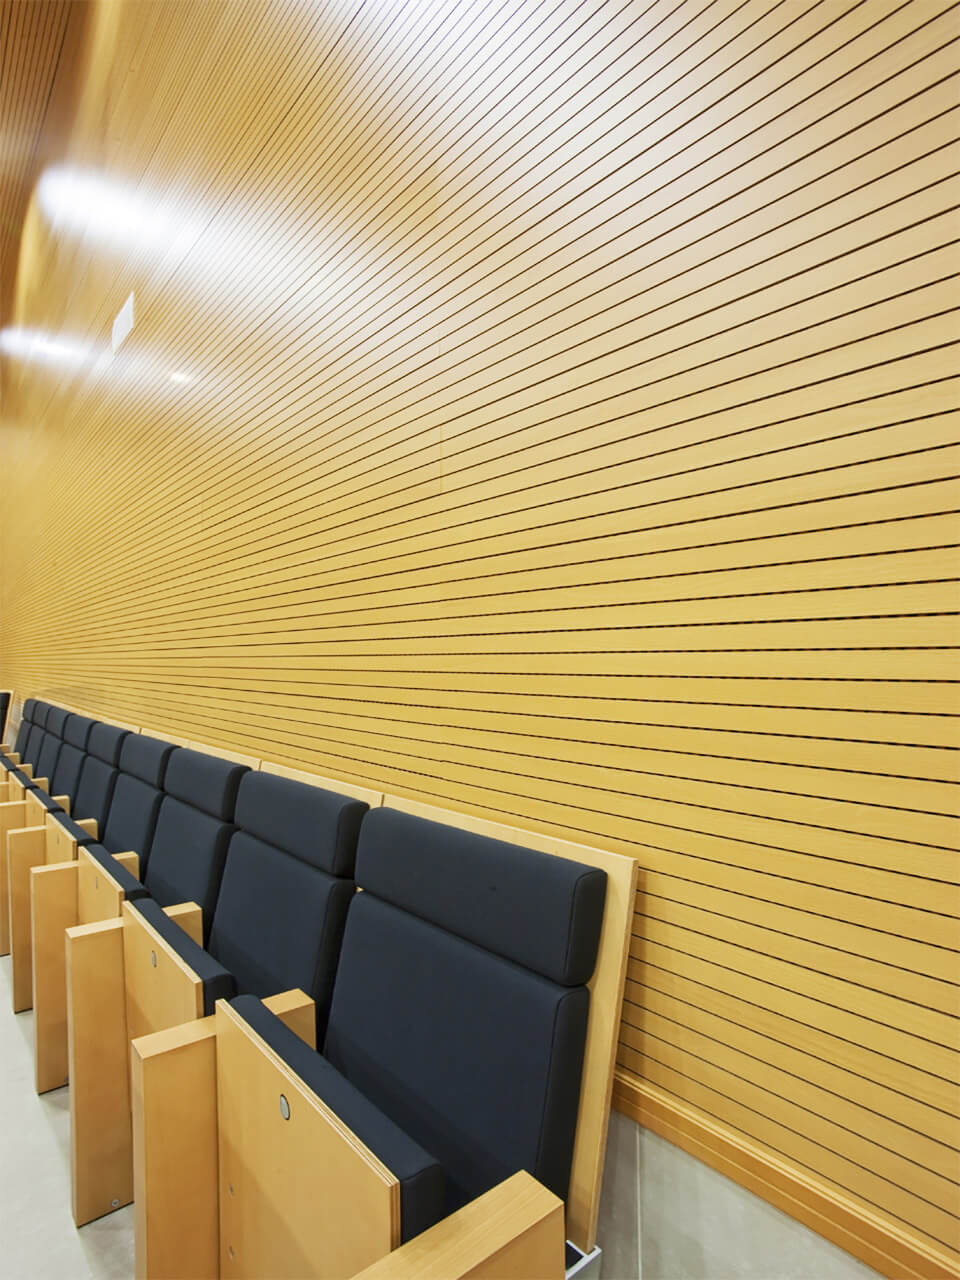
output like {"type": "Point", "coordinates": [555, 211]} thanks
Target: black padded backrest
{"type": "Point", "coordinates": [98, 775]}
{"type": "Point", "coordinates": [193, 829]}
{"type": "Point", "coordinates": [23, 734]}
{"type": "Point", "coordinates": [66, 775]}
{"type": "Point", "coordinates": [135, 802]}
{"type": "Point", "coordinates": [145, 758]}
{"type": "Point", "coordinates": [540, 911]}
{"type": "Point", "coordinates": [477, 1057]}
{"type": "Point", "coordinates": [57, 721]}
{"type": "Point", "coordinates": [286, 887]}
{"type": "Point", "coordinates": [35, 740]}
{"type": "Point", "coordinates": [48, 754]}
{"type": "Point", "coordinates": [29, 709]}
{"type": "Point", "coordinates": [186, 859]}
{"type": "Point", "coordinates": [105, 742]}
{"type": "Point", "coordinates": [205, 782]}
{"type": "Point", "coordinates": [4, 708]}
{"type": "Point", "coordinates": [76, 731]}
{"type": "Point", "coordinates": [40, 712]}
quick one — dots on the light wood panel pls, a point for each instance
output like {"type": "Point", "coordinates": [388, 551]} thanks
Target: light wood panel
{"type": "Point", "coordinates": [549, 412]}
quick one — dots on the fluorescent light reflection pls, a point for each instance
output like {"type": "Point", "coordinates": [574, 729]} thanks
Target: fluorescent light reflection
{"type": "Point", "coordinates": [181, 378]}
{"type": "Point", "coordinates": [112, 212]}
{"type": "Point", "coordinates": [36, 347]}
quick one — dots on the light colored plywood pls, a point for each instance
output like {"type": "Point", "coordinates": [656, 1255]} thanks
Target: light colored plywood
{"type": "Point", "coordinates": [53, 897]}
{"type": "Point", "coordinates": [161, 991]}
{"type": "Point", "coordinates": [25, 849]}
{"type": "Point", "coordinates": [174, 1095]}
{"type": "Point", "coordinates": [329, 1209]}
{"type": "Point", "coordinates": [101, 1173]}
{"type": "Point", "coordinates": [99, 897]}
{"type": "Point", "coordinates": [514, 1232]}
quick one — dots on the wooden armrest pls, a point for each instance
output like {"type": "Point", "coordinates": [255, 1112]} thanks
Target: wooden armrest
{"type": "Point", "coordinates": [175, 1141]}
{"type": "Point", "coordinates": [175, 1162]}
{"type": "Point", "coordinates": [270, 1121]}
{"type": "Point", "coordinates": [53, 902]}
{"type": "Point", "coordinates": [101, 1148]}
{"type": "Point", "coordinates": [514, 1232]}
{"type": "Point", "coordinates": [190, 919]}
{"type": "Point", "coordinates": [99, 896]}
{"type": "Point", "coordinates": [25, 849]}
{"type": "Point", "coordinates": [62, 843]}
{"type": "Point", "coordinates": [298, 1011]}
{"type": "Point", "coordinates": [162, 989]}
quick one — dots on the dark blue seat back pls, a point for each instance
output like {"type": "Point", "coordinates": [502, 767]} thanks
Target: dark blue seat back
{"type": "Point", "coordinates": [460, 1005]}
{"type": "Point", "coordinates": [135, 804]}
{"type": "Point", "coordinates": [35, 733]}
{"type": "Point", "coordinates": [194, 826]}
{"type": "Point", "coordinates": [66, 775]}
{"type": "Point", "coordinates": [286, 886]}
{"type": "Point", "coordinates": [99, 774]}
{"type": "Point", "coordinates": [52, 742]}
{"type": "Point", "coordinates": [26, 725]}
{"type": "Point", "coordinates": [4, 708]}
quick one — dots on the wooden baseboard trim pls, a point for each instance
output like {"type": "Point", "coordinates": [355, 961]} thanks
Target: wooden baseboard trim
{"type": "Point", "coordinates": [873, 1239]}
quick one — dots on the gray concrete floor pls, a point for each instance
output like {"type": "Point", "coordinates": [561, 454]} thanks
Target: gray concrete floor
{"type": "Point", "coordinates": [37, 1236]}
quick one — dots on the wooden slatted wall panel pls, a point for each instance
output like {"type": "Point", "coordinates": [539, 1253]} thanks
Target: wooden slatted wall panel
{"type": "Point", "coordinates": [31, 44]}
{"type": "Point", "coordinates": [550, 409]}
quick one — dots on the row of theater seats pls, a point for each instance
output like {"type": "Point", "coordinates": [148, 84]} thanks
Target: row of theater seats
{"type": "Point", "coordinates": [151, 885]}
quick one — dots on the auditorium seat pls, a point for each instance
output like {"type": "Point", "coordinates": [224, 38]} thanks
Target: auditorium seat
{"type": "Point", "coordinates": [452, 1060]}
{"type": "Point", "coordinates": [181, 872]}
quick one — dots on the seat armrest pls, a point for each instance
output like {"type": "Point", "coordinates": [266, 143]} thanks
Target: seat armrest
{"type": "Point", "coordinates": [218, 983]}
{"type": "Point", "coordinates": [422, 1180]}
{"type": "Point", "coordinates": [516, 1229]}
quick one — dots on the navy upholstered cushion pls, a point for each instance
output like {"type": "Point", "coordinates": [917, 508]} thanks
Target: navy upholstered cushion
{"type": "Point", "coordinates": [145, 758]}
{"type": "Point", "coordinates": [95, 791]}
{"type": "Point", "coordinates": [6, 763]}
{"type": "Point", "coordinates": [105, 742]}
{"type": "Point", "coordinates": [41, 711]}
{"type": "Point", "coordinates": [544, 912]}
{"type": "Point", "coordinates": [47, 758]}
{"type": "Point", "coordinates": [35, 740]}
{"type": "Point", "coordinates": [206, 782]}
{"type": "Point", "coordinates": [279, 922]}
{"type": "Point", "coordinates": [76, 731]}
{"type": "Point", "coordinates": [23, 733]}
{"type": "Point", "coordinates": [131, 886]}
{"type": "Point", "coordinates": [66, 775]}
{"type": "Point", "coordinates": [29, 707]}
{"type": "Point", "coordinates": [132, 817]}
{"type": "Point", "coordinates": [218, 984]}
{"type": "Point", "coordinates": [476, 1058]}
{"type": "Point", "coordinates": [74, 829]}
{"type": "Point", "coordinates": [420, 1174]}
{"type": "Point", "coordinates": [57, 721]}
{"type": "Point", "coordinates": [316, 825]}
{"type": "Point", "coordinates": [186, 857]}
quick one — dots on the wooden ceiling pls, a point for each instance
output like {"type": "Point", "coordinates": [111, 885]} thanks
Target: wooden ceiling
{"type": "Point", "coordinates": [33, 39]}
